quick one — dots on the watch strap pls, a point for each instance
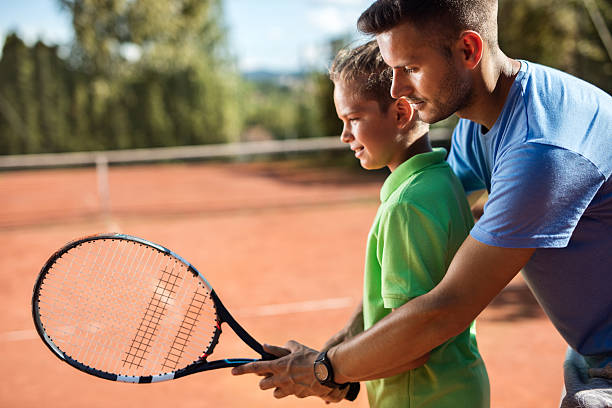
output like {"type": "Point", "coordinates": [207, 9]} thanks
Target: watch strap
{"type": "Point", "coordinates": [353, 387]}
{"type": "Point", "coordinates": [353, 391]}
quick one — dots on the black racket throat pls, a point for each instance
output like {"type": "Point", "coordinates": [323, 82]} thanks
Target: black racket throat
{"type": "Point", "coordinates": [225, 317]}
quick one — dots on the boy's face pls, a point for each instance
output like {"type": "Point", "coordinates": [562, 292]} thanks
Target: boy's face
{"type": "Point", "coordinates": [372, 134]}
{"type": "Point", "coordinates": [435, 84]}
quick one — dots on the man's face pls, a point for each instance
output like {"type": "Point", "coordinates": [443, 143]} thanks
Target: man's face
{"type": "Point", "coordinates": [370, 133]}
{"type": "Point", "coordinates": [434, 83]}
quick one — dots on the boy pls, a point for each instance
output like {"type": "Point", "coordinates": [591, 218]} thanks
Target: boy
{"type": "Point", "coordinates": [421, 222]}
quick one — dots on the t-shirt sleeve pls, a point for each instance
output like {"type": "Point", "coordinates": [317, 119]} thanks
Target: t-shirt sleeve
{"type": "Point", "coordinates": [407, 253]}
{"type": "Point", "coordinates": [459, 157]}
{"type": "Point", "coordinates": [538, 194]}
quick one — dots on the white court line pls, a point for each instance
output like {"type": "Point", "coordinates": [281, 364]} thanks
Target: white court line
{"type": "Point", "coordinates": [257, 311]}
{"type": "Point", "coordinates": [18, 335]}
{"type": "Point", "coordinates": [296, 307]}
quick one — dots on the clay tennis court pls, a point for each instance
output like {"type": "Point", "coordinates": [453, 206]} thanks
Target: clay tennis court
{"type": "Point", "coordinates": [281, 243]}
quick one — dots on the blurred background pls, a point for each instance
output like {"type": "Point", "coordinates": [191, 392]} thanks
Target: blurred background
{"type": "Point", "coordinates": [81, 75]}
{"type": "Point", "coordinates": [208, 126]}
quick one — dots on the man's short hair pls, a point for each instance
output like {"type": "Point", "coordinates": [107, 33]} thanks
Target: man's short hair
{"type": "Point", "coordinates": [364, 68]}
{"type": "Point", "coordinates": [441, 20]}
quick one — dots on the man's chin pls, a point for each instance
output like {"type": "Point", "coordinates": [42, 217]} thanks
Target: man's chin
{"type": "Point", "coordinates": [431, 117]}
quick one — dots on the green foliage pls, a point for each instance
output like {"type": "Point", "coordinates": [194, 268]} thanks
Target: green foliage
{"type": "Point", "coordinates": [24, 73]}
{"type": "Point", "coordinates": [330, 123]}
{"type": "Point", "coordinates": [557, 33]}
{"type": "Point", "coordinates": [282, 110]}
{"type": "Point", "coordinates": [140, 73]}
{"type": "Point", "coordinates": [162, 35]}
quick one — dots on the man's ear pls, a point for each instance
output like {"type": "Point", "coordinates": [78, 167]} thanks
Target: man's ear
{"type": "Point", "coordinates": [404, 113]}
{"type": "Point", "coordinates": [470, 46]}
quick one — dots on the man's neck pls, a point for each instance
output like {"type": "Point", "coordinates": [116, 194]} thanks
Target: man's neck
{"type": "Point", "coordinates": [491, 87]}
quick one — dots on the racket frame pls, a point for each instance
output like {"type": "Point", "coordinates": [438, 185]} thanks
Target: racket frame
{"type": "Point", "coordinates": [223, 316]}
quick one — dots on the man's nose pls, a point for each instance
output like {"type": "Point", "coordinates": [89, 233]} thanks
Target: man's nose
{"type": "Point", "coordinates": [400, 86]}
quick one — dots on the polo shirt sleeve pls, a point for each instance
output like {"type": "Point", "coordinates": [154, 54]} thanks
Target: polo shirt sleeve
{"type": "Point", "coordinates": [538, 194]}
{"type": "Point", "coordinates": [407, 253]}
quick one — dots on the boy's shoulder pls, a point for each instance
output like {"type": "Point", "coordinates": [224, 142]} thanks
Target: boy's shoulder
{"type": "Point", "coordinates": [434, 189]}
{"type": "Point", "coordinates": [434, 180]}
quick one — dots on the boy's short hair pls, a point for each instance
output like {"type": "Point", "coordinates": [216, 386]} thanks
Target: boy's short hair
{"type": "Point", "coordinates": [364, 68]}
{"type": "Point", "coordinates": [442, 20]}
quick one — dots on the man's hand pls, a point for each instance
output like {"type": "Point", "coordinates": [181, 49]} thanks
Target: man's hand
{"type": "Point", "coordinates": [291, 374]}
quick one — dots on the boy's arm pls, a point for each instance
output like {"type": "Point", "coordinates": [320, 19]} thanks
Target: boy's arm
{"type": "Point", "coordinates": [353, 327]}
{"type": "Point", "coordinates": [477, 200]}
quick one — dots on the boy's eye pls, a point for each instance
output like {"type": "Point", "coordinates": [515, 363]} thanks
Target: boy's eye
{"type": "Point", "coordinates": [408, 70]}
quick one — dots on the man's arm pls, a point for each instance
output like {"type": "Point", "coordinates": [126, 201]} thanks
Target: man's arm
{"type": "Point", "coordinates": [476, 275]}
{"type": "Point", "coordinates": [400, 341]}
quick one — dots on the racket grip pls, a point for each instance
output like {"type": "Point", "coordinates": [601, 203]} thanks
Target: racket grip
{"type": "Point", "coordinates": [353, 391]}
{"type": "Point", "coordinates": [268, 356]}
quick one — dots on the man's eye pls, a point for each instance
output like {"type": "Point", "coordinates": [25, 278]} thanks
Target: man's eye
{"type": "Point", "coordinates": [408, 70]}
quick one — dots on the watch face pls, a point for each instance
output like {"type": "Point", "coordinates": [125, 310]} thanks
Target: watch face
{"type": "Point", "coordinates": [321, 371]}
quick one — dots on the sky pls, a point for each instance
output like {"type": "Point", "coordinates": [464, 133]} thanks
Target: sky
{"type": "Point", "coordinates": [276, 35]}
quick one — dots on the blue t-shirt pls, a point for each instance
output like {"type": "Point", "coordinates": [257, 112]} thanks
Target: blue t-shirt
{"type": "Point", "coordinates": [547, 163]}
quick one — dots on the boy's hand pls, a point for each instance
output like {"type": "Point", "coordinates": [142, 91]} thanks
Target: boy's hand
{"type": "Point", "coordinates": [353, 327]}
{"type": "Point", "coordinates": [291, 374]}
{"type": "Point", "coordinates": [336, 339]}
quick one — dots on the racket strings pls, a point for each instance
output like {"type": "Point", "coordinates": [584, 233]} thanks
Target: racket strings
{"type": "Point", "coordinates": [183, 336]}
{"type": "Point", "coordinates": [165, 291]}
{"type": "Point", "coordinates": [126, 308]}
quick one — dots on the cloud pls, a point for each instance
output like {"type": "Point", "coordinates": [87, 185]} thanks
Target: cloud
{"type": "Point", "coordinates": [331, 20]}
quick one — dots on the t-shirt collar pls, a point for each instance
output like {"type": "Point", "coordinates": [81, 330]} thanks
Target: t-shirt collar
{"type": "Point", "coordinates": [408, 168]}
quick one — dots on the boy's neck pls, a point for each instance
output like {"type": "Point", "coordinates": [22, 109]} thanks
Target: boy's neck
{"type": "Point", "coordinates": [419, 145]}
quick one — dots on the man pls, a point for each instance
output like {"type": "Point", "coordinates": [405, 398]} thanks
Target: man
{"type": "Point", "coordinates": [540, 142]}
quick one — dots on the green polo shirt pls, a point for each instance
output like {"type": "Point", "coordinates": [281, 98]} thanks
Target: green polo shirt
{"type": "Point", "coordinates": [422, 220]}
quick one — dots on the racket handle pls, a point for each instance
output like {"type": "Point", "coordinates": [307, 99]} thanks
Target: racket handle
{"type": "Point", "coordinates": [353, 391]}
{"type": "Point", "coordinates": [267, 356]}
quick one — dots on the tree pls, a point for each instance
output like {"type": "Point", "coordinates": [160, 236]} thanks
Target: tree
{"type": "Point", "coordinates": [18, 98]}
{"type": "Point", "coordinates": [167, 57]}
{"type": "Point", "coordinates": [51, 97]}
{"type": "Point", "coordinates": [557, 33]}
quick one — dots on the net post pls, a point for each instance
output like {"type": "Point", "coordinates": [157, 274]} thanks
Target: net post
{"type": "Point", "coordinates": [104, 190]}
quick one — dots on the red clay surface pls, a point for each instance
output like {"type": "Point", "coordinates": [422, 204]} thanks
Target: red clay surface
{"type": "Point", "coordinates": [263, 235]}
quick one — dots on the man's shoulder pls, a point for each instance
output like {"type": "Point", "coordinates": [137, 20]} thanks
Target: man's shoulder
{"type": "Point", "coordinates": [567, 112]}
{"type": "Point", "coordinates": [547, 87]}
{"type": "Point", "coordinates": [538, 72]}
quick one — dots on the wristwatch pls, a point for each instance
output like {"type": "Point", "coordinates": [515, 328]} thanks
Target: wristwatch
{"type": "Point", "coordinates": [324, 373]}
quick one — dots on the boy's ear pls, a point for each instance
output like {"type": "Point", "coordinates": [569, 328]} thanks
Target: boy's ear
{"type": "Point", "coordinates": [404, 113]}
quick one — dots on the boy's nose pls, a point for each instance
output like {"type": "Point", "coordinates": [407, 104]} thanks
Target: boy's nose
{"type": "Point", "coordinates": [345, 136]}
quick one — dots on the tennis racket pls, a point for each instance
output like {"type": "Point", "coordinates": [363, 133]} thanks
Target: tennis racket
{"type": "Point", "coordinates": [125, 309]}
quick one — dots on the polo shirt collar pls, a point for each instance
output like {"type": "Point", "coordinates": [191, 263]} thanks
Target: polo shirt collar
{"type": "Point", "coordinates": [408, 168]}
